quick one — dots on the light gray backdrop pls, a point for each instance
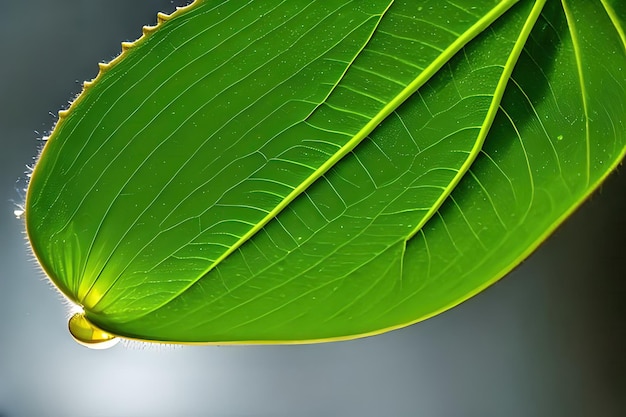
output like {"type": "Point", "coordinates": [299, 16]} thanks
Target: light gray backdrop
{"type": "Point", "coordinates": [546, 341]}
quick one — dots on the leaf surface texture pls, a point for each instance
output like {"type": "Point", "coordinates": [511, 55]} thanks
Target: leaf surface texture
{"type": "Point", "coordinates": [310, 170]}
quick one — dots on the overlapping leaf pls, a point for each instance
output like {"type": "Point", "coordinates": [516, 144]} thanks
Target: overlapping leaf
{"type": "Point", "coordinates": [288, 171]}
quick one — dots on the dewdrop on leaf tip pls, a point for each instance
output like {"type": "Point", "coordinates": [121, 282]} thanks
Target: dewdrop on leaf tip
{"type": "Point", "coordinates": [87, 334]}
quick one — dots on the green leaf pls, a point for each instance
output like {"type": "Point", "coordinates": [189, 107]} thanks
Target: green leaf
{"type": "Point", "coordinates": [302, 171]}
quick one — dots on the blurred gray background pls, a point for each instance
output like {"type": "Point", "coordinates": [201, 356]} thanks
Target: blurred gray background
{"type": "Point", "coordinates": [546, 341]}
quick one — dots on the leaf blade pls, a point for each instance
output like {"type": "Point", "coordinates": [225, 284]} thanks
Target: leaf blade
{"type": "Point", "coordinates": [342, 233]}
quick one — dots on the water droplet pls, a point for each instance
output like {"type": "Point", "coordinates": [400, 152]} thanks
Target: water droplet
{"type": "Point", "coordinates": [87, 334]}
{"type": "Point", "coordinates": [560, 137]}
{"type": "Point", "coordinates": [18, 213]}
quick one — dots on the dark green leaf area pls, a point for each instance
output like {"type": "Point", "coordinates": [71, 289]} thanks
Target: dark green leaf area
{"type": "Point", "coordinates": [336, 255]}
{"type": "Point", "coordinates": [543, 155]}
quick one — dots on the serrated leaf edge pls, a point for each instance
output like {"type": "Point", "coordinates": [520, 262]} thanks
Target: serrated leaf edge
{"type": "Point", "coordinates": [104, 67]}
